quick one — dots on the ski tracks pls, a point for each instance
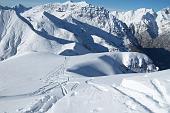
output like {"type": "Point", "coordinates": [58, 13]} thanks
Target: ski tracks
{"type": "Point", "coordinates": [55, 79]}
{"type": "Point", "coordinates": [148, 101]}
{"type": "Point", "coordinates": [156, 101]}
{"type": "Point", "coordinates": [41, 105]}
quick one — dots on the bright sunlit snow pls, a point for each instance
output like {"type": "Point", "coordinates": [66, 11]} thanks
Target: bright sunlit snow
{"type": "Point", "coordinates": [79, 58]}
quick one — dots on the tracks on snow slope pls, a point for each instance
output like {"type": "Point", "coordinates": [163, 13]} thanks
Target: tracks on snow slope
{"type": "Point", "coordinates": [154, 102]}
{"type": "Point", "coordinates": [55, 79]}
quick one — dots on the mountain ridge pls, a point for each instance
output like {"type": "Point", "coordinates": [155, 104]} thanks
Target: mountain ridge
{"type": "Point", "coordinates": [94, 28]}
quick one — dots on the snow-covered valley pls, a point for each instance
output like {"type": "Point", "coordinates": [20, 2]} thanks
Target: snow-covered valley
{"type": "Point", "coordinates": [80, 58]}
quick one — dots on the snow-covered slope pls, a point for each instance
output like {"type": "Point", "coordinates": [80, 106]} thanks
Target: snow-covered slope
{"type": "Point", "coordinates": [80, 21]}
{"type": "Point", "coordinates": [147, 25]}
{"type": "Point", "coordinates": [141, 19]}
{"type": "Point", "coordinates": [56, 60]}
{"type": "Point", "coordinates": [43, 82]}
{"type": "Point", "coordinates": [139, 94]}
{"type": "Point", "coordinates": [41, 30]}
{"type": "Point", "coordinates": [24, 38]}
{"type": "Point", "coordinates": [35, 65]}
{"type": "Point", "coordinates": [20, 8]}
{"type": "Point", "coordinates": [17, 36]}
{"type": "Point", "coordinates": [49, 27]}
{"type": "Point", "coordinates": [163, 20]}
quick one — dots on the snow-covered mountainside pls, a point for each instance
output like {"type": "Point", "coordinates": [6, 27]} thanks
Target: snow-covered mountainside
{"type": "Point", "coordinates": [17, 36]}
{"type": "Point", "coordinates": [163, 20]}
{"type": "Point", "coordinates": [54, 25]}
{"type": "Point", "coordinates": [147, 25]}
{"type": "Point", "coordinates": [80, 22]}
{"type": "Point", "coordinates": [142, 21]}
{"type": "Point", "coordinates": [152, 31]}
{"type": "Point", "coordinates": [94, 28]}
{"type": "Point", "coordinates": [37, 82]}
{"type": "Point", "coordinates": [80, 58]}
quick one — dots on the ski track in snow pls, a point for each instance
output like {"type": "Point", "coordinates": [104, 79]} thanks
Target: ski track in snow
{"type": "Point", "coordinates": [97, 86]}
{"type": "Point", "coordinates": [157, 101]}
{"type": "Point", "coordinates": [53, 80]}
{"type": "Point", "coordinates": [162, 91]}
{"type": "Point", "coordinates": [125, 93]}
{"type": "Point", "coordinates": [142, 99]}
{"type": "Point", "coordinates": [57, 79]}
{"type": "Point", "coordinates": [147, 101]}
{"type": "Point", "coordinates": [46, 103]}
{"type": "Point", "coordinates": [131, 97]}
{"type": "Point", "coordinates": [60, 70]}
{"type": "Point", "coordinates": [41, 105]}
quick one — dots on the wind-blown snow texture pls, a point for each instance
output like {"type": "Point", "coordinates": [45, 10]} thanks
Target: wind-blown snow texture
{"type": "Point", "coordinates": [77, 58]}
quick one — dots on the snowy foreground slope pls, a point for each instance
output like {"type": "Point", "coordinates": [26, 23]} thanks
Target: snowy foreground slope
{"type": "Point", "coordinates": [43, 82]}
{"type": "Point", "coordinates": [144, 93]}
{"type": "Point", "coordinates": [75, 58]}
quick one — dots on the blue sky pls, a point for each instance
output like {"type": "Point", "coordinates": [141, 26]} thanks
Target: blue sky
{"type": "Point", "coordinates": [121, 5]}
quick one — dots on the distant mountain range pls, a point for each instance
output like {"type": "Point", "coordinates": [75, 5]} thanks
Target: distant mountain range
{"type": "Point", "coordinates": [79, 28]}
